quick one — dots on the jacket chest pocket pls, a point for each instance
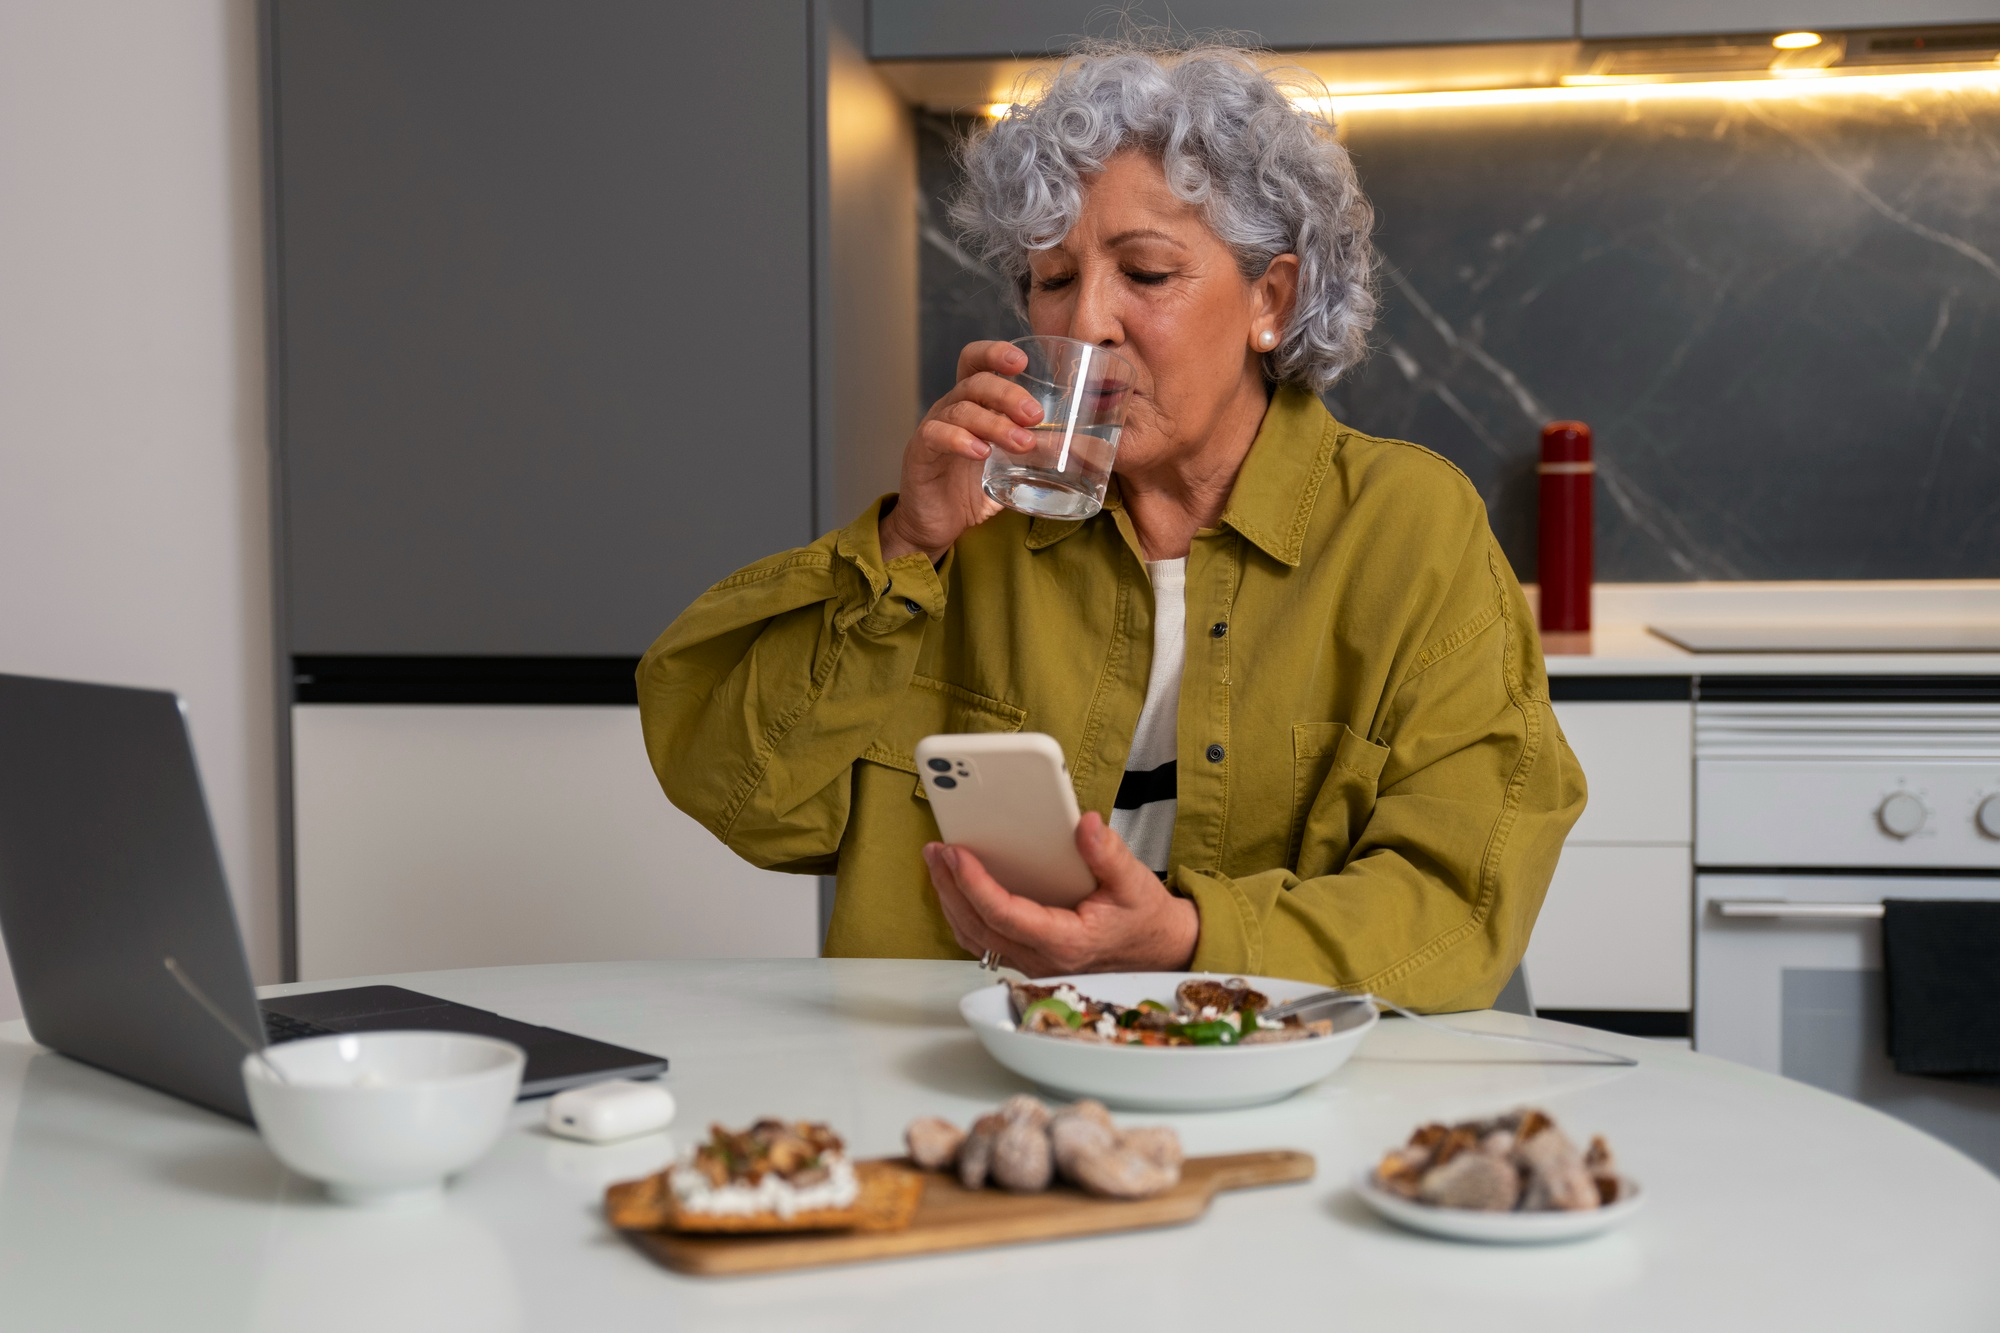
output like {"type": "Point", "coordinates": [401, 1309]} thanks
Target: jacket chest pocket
{"type": "Point", "coordinates": [1334, 775]}
{"type": "Point", "coordinates": [933, 707]}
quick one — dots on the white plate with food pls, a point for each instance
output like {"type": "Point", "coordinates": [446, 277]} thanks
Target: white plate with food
{"type": "Point", "coordinates": [1515, 1179]}
{"type": "Point", "coordinates": [1154, 1041]}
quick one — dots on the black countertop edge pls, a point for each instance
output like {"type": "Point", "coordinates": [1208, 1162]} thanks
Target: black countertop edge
{"type": "Point", "coordinates": [1847, 689]}
{"type": "Point", "coordinates": [1853, 872]}
{"type": "Point", "coordinates": [463, 680]}
{"type": "Point", "coordinates": [1620, 689]}
{"type": "Point", "coordinates": [1629, 1022]}
{"type": "Point", "coordinates": [1745, 688]}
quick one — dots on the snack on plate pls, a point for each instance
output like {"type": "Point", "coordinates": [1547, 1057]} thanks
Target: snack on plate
{"type": "Point", "coordinates": [773, 1176]}
{"type": "Point", "coordinates": [1204, 1012]}
{"type": "Point", "coordinates": [1519, 1162]}
{"type": "Point", "coordinates": [1024, 1149]}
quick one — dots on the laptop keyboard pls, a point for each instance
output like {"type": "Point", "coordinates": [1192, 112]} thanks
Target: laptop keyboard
{"type": "Point", "coordinates": [283, 1027]}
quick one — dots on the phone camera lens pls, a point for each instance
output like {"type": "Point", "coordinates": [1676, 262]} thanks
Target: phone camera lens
{"type": "Point", "coordinates": [945, 782]}
{"type": "Point", "coordinates": [940, 765]}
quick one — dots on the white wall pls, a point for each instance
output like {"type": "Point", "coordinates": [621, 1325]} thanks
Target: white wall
{"type": "Point", "coordinates": [134, 530]}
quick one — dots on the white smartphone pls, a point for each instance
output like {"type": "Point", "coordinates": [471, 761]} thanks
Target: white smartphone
{"type": "Point", "coordinates": [1006, 796]}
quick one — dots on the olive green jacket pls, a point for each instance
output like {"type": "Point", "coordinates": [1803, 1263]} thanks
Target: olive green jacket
{"type": "Point", "coordinates": [1372, 787]}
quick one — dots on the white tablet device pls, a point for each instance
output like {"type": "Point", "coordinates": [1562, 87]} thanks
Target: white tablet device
{"type": "Point", "coordinates": [1006, 797]}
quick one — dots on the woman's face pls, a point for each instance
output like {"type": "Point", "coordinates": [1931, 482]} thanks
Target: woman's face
{"type": "Point", "coordinates": [1142, 274]}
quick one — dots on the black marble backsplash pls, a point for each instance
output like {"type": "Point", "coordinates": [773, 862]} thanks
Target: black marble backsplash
{"type": "Point", "coordinates": [1781, 317]}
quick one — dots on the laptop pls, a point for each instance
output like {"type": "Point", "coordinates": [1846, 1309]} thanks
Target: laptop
{"type": "Point", "coordinates": [108, 866]}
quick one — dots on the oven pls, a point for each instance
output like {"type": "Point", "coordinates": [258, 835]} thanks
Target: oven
{"type": "Point", "coordinates": [1815, 800]}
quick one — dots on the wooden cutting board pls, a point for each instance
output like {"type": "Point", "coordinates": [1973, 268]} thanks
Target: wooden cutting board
{"type": "Point", "coordinates": [952, 1217]}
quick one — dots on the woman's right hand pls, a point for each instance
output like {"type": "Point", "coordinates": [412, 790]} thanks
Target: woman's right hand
{"type": "Point", "coordinates": [942, 464]}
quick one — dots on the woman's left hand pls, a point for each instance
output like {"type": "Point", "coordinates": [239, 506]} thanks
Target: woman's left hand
{"type": "Point", "coordinates": [1130, 924]}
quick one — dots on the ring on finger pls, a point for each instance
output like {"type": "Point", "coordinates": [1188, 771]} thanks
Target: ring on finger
{"type": "Point", "coordinates": [990, 960]}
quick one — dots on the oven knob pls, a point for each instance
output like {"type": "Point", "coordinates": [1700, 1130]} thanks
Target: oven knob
{"type": "Point", "coordinates": [1988, 817]}
{"type": "Point", "coordinates": [1902, 814]}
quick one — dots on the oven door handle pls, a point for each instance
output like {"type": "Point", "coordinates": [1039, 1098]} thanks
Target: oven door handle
{"type": "Point", "coordinates": [1771, 909]}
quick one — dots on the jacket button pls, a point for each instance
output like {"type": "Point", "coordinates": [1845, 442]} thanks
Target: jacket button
{"type": "Point", "coordinates": [911, 606]}
{"type": "Point", "coordinates": [1215, 754]}
{"type": "Point", "coordinates": [1218, 629]}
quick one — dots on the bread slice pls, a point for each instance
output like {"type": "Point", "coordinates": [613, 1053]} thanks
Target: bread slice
{"type": "Point", "coordinates": [888, 1198]}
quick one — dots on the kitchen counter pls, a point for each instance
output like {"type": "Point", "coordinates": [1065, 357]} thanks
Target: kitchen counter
{"type": "Point", "coordinates": [1621, 645]}
{"type": "Point", "coordinates": [1769, 1204]}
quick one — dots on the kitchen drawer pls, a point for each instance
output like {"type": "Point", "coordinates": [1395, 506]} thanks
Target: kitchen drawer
{"type": "Point", "coordinates": [456, 836]}
{"type": "Point", "coordinates": [1638, 759]}
{"type": "Point", "coordinates": [1615, 931]}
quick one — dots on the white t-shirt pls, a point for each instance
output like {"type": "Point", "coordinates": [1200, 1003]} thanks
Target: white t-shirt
{"type": "Point", "coordinates": [1144, 812]}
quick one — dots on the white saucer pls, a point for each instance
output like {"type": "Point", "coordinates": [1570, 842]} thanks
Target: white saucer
{"type": "Point", "coordinates": [1500, 1228]}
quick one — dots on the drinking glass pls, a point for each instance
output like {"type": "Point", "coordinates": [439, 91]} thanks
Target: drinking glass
{"type": "Point", "coordinates": [1083, 390]}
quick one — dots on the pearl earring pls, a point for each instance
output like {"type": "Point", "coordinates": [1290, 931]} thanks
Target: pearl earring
{"type": "Point", "coordinates": [1266, 339]}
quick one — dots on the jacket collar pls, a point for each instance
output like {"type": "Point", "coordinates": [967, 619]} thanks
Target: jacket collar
{"type": "Point", "coordinates": [1272, 501]}
{"type": "Point", "coordinates": [1273, 498]}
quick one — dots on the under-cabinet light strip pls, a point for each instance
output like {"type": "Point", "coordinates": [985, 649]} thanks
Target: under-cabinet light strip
{"type": "Point", "coordinates": [1587, 88]}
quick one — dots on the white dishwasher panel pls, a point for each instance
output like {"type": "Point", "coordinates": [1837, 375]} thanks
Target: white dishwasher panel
{"type": "Point", "coordinates": [461, 836]}
{"type": "Point", "coordinates": [1794, 986]}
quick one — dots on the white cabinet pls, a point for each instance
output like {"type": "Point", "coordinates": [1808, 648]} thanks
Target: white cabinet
{"type": "Point", "coordinates": [1614, 932]}
{"type": "Point", "coordinates": [460, 836]}
{"type": "Point", "coordinates": [1639, 761]}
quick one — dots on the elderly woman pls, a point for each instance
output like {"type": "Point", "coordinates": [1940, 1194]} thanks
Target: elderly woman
{"type": "Point", "coordinates": [1302, 701]}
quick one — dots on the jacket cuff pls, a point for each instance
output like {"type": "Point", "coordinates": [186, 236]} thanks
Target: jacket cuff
{"type": "Point", "coordinates": [899, 590]}
{"type": "Point", "coordinates": [1230, 939]}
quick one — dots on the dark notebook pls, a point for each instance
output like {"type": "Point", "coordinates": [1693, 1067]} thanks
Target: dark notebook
{"type": "Point", "coordinates": [1942, 960]}
{"type": "Point", "coordinates": [556, 1059]}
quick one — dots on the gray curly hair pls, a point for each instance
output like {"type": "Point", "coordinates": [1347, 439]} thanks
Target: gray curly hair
{"type": "Point", "coordinates": [1269, 176]}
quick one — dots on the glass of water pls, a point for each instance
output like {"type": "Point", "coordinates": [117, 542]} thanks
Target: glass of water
{"type": "Point", "coordinates": [1083, 390]}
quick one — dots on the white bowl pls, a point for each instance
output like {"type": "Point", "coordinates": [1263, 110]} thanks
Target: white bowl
{"type": "Point", "coordinates": [1499, 1228]}
{"type": "Point", "coordinates": [1172, 1078]}
{"type": "Point", "coordinates": [384, 1117]}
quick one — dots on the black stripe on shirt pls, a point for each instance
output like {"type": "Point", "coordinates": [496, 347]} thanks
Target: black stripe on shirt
{"type": "Point", "coordinates": [1139, 788]}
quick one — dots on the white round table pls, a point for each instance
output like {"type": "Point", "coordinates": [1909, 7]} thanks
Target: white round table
{"type": "Point", "coordinates": [1772, 1205]}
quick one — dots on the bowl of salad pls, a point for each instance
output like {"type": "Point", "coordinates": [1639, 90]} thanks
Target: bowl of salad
{"type": "Point", "coordinates": [1163, 1041]}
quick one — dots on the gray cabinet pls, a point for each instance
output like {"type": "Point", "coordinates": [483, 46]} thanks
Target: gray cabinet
{"type": "Point", "coordinates": [931, 30]}
{"type": "Point", "coordinates": [1664, 18]}
{"type": "Point", "coordinates": [577, 306]}
{"type": "Point", "coordinates": [543, 324]}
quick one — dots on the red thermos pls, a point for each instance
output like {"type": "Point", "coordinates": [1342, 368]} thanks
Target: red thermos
{"type": "Point", "coordinates": [1565, 565]}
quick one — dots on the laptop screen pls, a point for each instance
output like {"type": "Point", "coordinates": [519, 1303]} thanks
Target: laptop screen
{"type": "Point", "coordinates": [108, 864]}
